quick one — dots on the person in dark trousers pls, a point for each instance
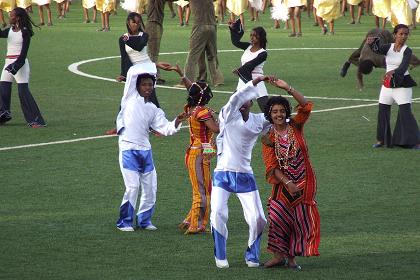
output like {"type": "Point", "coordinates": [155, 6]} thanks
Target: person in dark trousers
{"type": "Point", "coordinates": [365, 59]}
{"type": "Point", "coordinates": [16, 68]}
{"type": "Point", "coordinates": [397, 87]}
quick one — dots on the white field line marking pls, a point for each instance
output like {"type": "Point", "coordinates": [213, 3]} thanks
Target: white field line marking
{"type": "Point", "coordinates": [109, 136]}
{"type": "Point", "coordinates": [62, 142]}
{"type": "Point", "coordinates": [74, 68]}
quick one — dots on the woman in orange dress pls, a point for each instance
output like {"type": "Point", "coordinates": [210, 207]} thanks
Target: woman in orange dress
{"type": "Point", "coordinates": [199, 153]}
{"type": "Point", "coordinates": [294, 224]}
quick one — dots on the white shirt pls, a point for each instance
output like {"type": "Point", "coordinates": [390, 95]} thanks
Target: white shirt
{"type": "Point", "coordinates": [248, 56]}
{"type": "Point", "coordinates": [237, 137]}
{"type": "Point", "coordinates": [393, 59]}
{"type": "Point", "coordinates": [137, 56]}
{"type": "Point", "coordinates": [134, 121]}
{"type": "Point", "coordinates": [14, 42]}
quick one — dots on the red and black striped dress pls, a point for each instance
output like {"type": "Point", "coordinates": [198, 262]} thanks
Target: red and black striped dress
{"type": "Point", "coordinates": [294, 223]}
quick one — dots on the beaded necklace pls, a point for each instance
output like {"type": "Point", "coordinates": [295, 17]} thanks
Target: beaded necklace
{"type": "Point", "coordinates": [290, 150]}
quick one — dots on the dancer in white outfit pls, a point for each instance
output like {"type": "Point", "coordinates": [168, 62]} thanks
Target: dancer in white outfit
{"type": "Point", "coordinates": [239, 130]}
{"type": "Point", "coordinates": [136, 116]}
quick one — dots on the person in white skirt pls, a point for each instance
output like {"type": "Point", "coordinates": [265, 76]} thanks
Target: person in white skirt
{"type": "Point", "coordinates": [397, 87]}
{"type": "Point", "coordinates": [239, 130]}
{"type": "Point", "coordinates": [16, 67]}
{"type": "Point", "coordinates": [295, 7]}
{"type": "Point", "coordinates": [136, 117]}
{"type": "Point", "coordinates": [86, 5]}
{"type": "Point", "coordinates": [41, 4]}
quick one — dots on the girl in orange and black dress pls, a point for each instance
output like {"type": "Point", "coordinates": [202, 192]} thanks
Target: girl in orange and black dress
{"type": "Point", "coordinates": [197, 157]}
{"type": "Point", "coordinates": [294, 224]}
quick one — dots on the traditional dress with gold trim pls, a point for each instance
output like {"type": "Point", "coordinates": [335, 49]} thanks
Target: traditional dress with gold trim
{"type": "Point", "coordinates": [381, 8]}
{"type": "Point", "coordinates": [7, 5]}
{"type": "Point", "coordinates": [401, 12]}
{"type": "Point", "coordinates": [237, 7]}
{"type": "Point", "coordinates": [328, 10]}
{"type": "Point", "coordinates": [23, 3]}
{"type": "Point", "coordinates": [105, 5]}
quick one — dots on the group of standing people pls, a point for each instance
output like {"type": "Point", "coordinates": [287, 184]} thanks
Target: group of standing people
{"type": "Point", "coordinates": [238, 130]}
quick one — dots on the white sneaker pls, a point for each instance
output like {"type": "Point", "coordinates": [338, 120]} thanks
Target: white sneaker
{"type": "Point", "coordinates": [221, 263]}
{"type": "Point", "coordinates": [252, 264]}
{"type": "Point", "coordinates": [126, 228]}
{"type": "Point", "coordinates": [150, 227]}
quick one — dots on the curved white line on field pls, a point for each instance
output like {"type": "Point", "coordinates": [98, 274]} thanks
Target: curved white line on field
{"type": "Point", "coordinates": [74, 68]}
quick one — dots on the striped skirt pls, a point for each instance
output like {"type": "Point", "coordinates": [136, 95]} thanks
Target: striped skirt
{"type": "Point", "coordinates": [293, 231]}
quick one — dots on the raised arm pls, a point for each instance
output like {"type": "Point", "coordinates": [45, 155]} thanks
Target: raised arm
{"type": "Point", "coordinates": [290, 90]}
{"type": "Point", "coordinates": [236, 36]}
{"type": "Point", "coordinates": [244, 94]}
{"type": "Point", "coordinates": [185, 80]}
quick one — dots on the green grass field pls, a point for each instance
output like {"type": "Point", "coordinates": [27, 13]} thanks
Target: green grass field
{"type": "Point", "coordinates": [59, 203]}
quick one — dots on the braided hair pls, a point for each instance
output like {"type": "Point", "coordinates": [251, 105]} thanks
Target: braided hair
{"type": "Point", "coordinates": [199, 94]}
{"type": "Point", "coordinates": [277, 100]}
{"type": "Point", "coordinates": [132, 16]}
{"type": "Point", "coordinates": [24, 20]}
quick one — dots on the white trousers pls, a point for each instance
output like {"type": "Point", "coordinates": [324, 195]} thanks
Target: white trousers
{"type": "Point", "coordinates": [254, 216]}
{"type": "Point", "coordinates": [398, 95]}
{"type": "Point", "coordinates": [138, 171]}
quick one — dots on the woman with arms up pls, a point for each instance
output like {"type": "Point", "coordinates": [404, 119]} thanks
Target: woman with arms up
{"type": "Point", "coordinates": [253, 58]}
{"type": "Point", "coordinates": [16, 68]}
{"type": "Point", "coordinates": [397, 87]}
{"type": "Point", "coordinates": [294, 224]}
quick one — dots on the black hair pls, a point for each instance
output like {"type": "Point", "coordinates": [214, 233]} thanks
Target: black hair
{"type": "Point", "coordinates": [398, 27]}
{"type": "Point", "coordinates": [132, 16]}
{"type": "Point", "coordinates": [199, 94]}
{"type": "Point", "coordinates": [277, 100]}
{"type": "Point", "coordinates": [24, 20]}
{"type": "Point", "coordinates": [366, 66]}
{"type": "Point", "coordinates": [145, 76]}
{"type": "Point", "coordinates": [262, 36]}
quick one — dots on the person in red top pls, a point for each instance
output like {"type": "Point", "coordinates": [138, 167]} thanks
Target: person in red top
{"type": "Point", "coordinates": [294, 224]}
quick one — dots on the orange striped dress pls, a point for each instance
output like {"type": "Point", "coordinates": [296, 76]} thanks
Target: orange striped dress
{"type": "Point", "coordinates": [294, 223]}
{"type": "Point", "coordinates": [198, 166]}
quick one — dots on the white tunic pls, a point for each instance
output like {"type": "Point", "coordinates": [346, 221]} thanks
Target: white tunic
{"type": "Point", "coordinates": [137, 116]}
{"type": "Point", "coordinates": [258, 70]}
{"type": "Point", "coordinates": [237, 137]}
{"type": "Point", "coordinates": [393, 59]}
{"type": "Point", "coordinates": [14, 42]}
{"type": "Point", "coordinates": [135, 55]}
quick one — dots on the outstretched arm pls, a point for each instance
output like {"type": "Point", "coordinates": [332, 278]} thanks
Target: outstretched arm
{"type": "Point", "coordinates": [185, 80]}
{"type": "Point", "coordinates": [290, 90]}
